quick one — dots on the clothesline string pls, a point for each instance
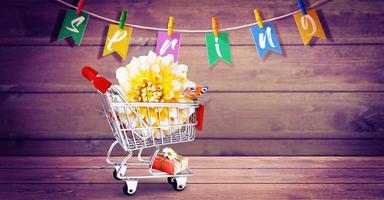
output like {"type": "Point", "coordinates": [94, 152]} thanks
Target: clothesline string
{"type": "Point", "coordinates": [318, 3]}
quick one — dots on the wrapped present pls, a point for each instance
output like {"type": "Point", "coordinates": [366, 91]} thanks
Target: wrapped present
{"type": "Point", "coordinates": [173, 164]}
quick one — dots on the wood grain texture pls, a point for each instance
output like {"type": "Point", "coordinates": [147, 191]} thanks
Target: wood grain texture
{"type": "Point", "coordinates": [200, 162]}
{"type": "Point", "coordinates": [201, 176]}
{"type": "Point", "coordinates": [257, 115]}
{"type": "Point", "coordinates": [195, 191]}
{"type": "Point", "coordinates": [202, 147]}
{"type": "Point", "coordinates": [222, 177]}
{"type": "Point", "coordinates": [321, 68]}
{"type": "Point", "coordinates": [343, 22]}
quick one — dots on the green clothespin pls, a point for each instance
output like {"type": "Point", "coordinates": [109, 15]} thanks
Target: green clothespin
{"type": "Point", "coordinates": [123, 17]}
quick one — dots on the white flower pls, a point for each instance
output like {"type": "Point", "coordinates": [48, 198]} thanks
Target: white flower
{"type": "Point", "coordinates": [169, 153]}
{"type": "Point", "coordinates": [158, 79]}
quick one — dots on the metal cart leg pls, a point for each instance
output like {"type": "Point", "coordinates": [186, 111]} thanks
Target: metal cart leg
{"type": "Point", "coordinates": [139, 156]}
{"type": "Point", "coordinates": [121, 168]}
{"type": "Point", "coordinates": [152, 160]}
{"type": "Point", "coordinates": [110, 151]}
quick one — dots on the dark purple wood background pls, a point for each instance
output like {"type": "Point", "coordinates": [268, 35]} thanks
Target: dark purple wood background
{"type": "Point", "coordinates": [326, 99]}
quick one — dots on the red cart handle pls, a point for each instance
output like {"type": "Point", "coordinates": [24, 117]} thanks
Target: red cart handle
{"type": "Point", "coordinates": [200, 117]}
{"type": "Point", "coordinates": [98, 81]}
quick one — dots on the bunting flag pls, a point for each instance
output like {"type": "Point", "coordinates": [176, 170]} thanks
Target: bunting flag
{"type": "Point", "coordinates": [73, 26]}
{"type": "Point", "coordinates": [117, 40]}
{"type": "Point", "coordinates": [168, 45]}
{"type": "Point", "coordinates": [309, 25]}
{"type": "Point", "coordinates": [218, 48]}
{"type": "Point", "coordinates": [265, 39]}
{"type": "Point", "coordinates": [264, 35]}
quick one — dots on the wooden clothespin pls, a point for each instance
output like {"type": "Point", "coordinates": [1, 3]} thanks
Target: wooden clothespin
{"type": "Point", "coordinates": [259, 20]}
{"type": "Point", "coordinates": [80, 6]}
{"type": "Point", "coordinates": [302, 6]}
{"type": "Point", "coordinates": [171, 23]}
{"type": "Point", "coordinates": [123, 17]}
{"type": "Point", "coordinates": [215, 27]}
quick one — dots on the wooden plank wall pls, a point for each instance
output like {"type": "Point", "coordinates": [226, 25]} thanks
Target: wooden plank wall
{"type": "Point", "coordinates": [325, 99]}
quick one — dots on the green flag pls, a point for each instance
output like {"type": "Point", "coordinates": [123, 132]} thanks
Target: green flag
{"type": "Point", "coordinates": [73, 26]}
{"type": "Point", "coordinates": [218, 48]}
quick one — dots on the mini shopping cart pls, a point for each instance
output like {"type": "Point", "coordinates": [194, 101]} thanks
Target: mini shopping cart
{"type": "Point", "coordinates": [133, 133]}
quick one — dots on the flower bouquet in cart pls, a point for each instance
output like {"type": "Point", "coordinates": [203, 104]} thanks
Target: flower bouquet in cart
{"type": "Point", "coordinates": [155, 79]}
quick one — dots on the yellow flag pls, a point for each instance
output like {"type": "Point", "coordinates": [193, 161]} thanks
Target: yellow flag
{"type": "Point", "coordinates": [309, 25]}
{"type": "Point", "coordinates": [117, 40]}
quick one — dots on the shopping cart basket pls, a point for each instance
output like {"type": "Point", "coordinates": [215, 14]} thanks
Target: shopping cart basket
{"type": "Point", "coordinates": [133, 132]}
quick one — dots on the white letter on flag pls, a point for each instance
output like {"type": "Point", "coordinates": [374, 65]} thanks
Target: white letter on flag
{"type": "Point", "coordinates": [116, 38]}
{"type": "Point", "coordinates": [76, 21]}
{"type": "Point", "coordinates": [166, 45]}
{"type": "Point", "coordinates": [262, 38]}
{"type": "Point", "coordinates": [304, 23]}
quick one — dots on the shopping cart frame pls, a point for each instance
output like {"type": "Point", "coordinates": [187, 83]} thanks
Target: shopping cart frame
{"type": "Point", "coordinates": [141, 136]}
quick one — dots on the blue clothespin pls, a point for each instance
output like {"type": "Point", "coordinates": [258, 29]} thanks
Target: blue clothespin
{"type": "Point", "coordinates": [302, 7]}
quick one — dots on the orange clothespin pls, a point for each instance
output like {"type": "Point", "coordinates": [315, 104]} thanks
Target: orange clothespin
{"type": "Point", "coordinates": [215, 27]}
{"type": "Point", "coordinates": [171, 23]}
{"type": "Point", "coordinates": [80, 6]}
{"type": "Point", "coordinates": [259, 20]}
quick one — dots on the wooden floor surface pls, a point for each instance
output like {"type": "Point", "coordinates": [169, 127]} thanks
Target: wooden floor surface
{"type": "Point", "coordinates": [78, 177]}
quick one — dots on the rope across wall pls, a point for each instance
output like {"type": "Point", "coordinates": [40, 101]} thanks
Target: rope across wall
{"type": "Point", "coordinates": [316, 4]}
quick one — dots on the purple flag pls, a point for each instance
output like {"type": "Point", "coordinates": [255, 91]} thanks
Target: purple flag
{"type": "Point", "coordinates": [168, 44]}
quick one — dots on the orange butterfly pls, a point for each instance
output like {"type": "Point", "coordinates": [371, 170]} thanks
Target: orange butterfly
{"type": "Point", "coordinates": [193, 93]}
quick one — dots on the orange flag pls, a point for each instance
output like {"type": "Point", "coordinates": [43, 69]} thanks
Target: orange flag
{"type": "Point", "coordinates": [309, 25]}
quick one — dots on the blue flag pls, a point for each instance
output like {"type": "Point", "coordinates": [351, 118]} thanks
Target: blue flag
{"type": "Point", "coordinates": [265, 39]}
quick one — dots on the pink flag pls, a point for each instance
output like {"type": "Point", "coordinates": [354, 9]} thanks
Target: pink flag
{"type": "Point", "coordinates": [168, 45]}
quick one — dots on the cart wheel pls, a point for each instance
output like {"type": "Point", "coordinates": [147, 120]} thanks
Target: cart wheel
{"type": "Point", "coordinates": [130, 187]}
{"type": "Point", "coordinates": [179, 183]}
{"type": "Point", "coordinates": [115, 175]}
{"type": "Point", "coordinates": [171, 180]}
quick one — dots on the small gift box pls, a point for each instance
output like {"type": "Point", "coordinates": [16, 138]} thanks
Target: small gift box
{"type": "Point", "coordinates": [170, 162]}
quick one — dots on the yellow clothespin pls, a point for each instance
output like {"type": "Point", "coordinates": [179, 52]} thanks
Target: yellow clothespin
{"type": "Point", "coordinates": [215, 27]}
{"type": "Point", "coordinates": [171, 23]}
{"type": "Point", "coordinates": [259, 20]}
